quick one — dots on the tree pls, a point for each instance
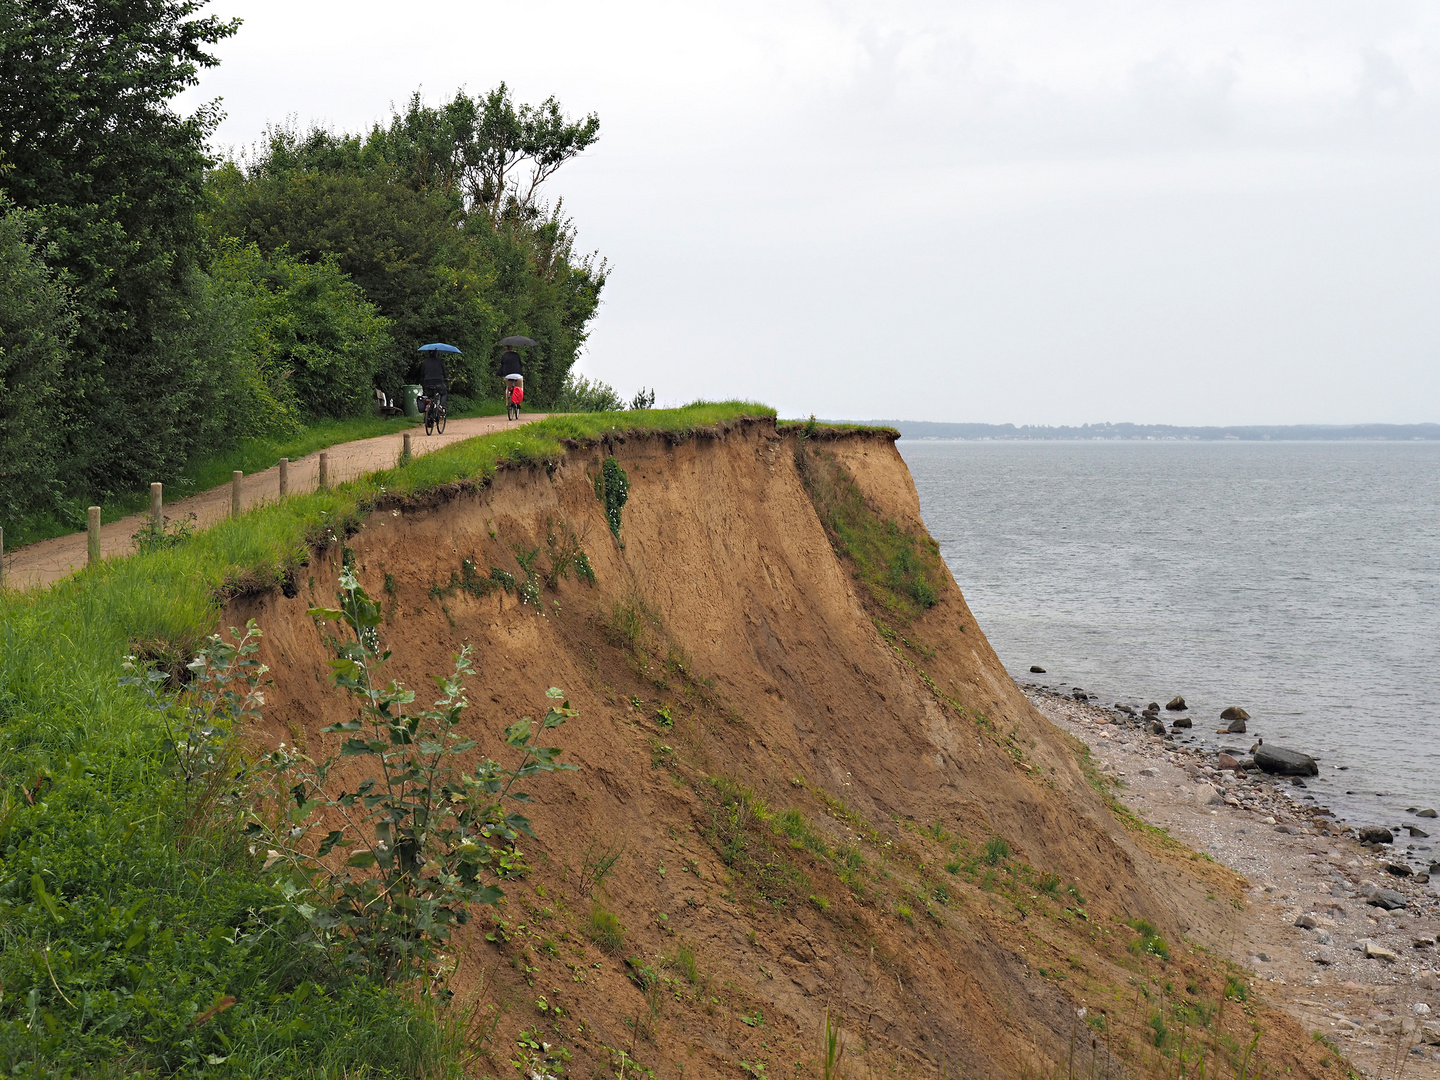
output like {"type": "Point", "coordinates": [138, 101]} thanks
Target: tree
{"type": "Point", "coordinates": [36, 325]}
{"type": "Point", "coordinates": [116, 176]}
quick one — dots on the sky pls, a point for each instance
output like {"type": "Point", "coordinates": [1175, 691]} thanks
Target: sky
{"type": "Point", "coordinates": [1022, 211]}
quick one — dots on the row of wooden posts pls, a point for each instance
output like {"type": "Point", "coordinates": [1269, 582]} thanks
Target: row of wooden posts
{"type": "Point", "coordinates": [157, 520]}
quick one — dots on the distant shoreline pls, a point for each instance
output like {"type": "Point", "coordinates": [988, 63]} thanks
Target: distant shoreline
{"type": "Point", "coordinates": [924, 429]}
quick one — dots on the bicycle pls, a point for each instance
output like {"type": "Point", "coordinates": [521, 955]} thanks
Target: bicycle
{"type": "Point", "coordinates": [512, 400]}
{"type": "Point", "coordinates": [434, 415]}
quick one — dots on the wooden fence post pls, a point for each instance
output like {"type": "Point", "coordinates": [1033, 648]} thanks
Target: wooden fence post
{"type": "Point", "coordinates": [405, 450]}
{"type": "Point", "coordinates": [93, 522]}
{"type": "Point", "coordinates": [236, 479]}
{"type": "Point", "coordinates": [2, 558]}
{"type": "Point", "coordinates": [324, 471]}
{"type": "Point", "coordinates": [284, 477]}
{"type": "Point", "coordinates": [157, 518]}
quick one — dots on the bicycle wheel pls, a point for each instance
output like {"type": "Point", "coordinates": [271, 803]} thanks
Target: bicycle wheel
{"type": "Point", "coordinates": [440, 420]}
{"type": "Point", "coordinates": [429, 418]}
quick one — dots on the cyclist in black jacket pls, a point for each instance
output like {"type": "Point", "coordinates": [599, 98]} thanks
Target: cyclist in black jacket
{"type": "Point", "coordinates": [512, 371]}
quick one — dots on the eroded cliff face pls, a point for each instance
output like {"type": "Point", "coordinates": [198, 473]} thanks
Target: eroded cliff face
{"type": "Point", "coordinates": [910, 757]}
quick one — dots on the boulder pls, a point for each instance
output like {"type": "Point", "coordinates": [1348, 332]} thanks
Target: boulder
{"type": "Point", "coordinates": [1435, 868]}
{"type": "Point", "coordinates": [1398, 869]}
{"type": "Point", "coordinates": [1375, 951]}
{"type": "Point", "coordinates": [1306, 922]}
{"type": "Point", "coordinates": [1237, 727]}
{"type": "Point", "coordinates": [1209, 796]}
{"type": "Point", "coordinates": [1325, 956]}
{"type": "Point", "coordinates": [1295, 781]}
{"type": "Point", "coordinates": [1154, 707]}
{"type": "Point", "coordinates": [1430, 1034]}
{"type": "Point", "coordinates": [1156, 728]}
{"type": "Point", "coordinates": [1180, 722]}
{"type": "Point", "coordinates": [1388, 899]}
{"type": "Point", "coordinates": [1425, 813]}
{"type": "Point", "coordinates": [1036, 669]}
{"type": "Point", "coordinates": [1176, 704]}
{"type": "Point", "coordinates": [1375, 834]}
{"type": "Point", "coordinates": [1277, 759]}
{"type": "Point", "coordinates": [1415, 830]}
{"type": "Point", "coordinates": [1226, 761]}
{"type": "Point", "coordinates": [1234, 712]}
{"type": "Point", "coordinates": [1421, 879]}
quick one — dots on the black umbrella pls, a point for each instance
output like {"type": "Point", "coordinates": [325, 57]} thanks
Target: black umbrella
{"type": "Point", "coordinates": [523, 342]}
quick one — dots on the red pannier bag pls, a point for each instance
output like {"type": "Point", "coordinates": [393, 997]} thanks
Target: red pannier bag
{"type": "Point", "coordinates": [517, 394]}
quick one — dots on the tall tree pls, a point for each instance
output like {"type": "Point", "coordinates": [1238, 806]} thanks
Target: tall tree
{"type": "Point", "coordinates": [116, 177]}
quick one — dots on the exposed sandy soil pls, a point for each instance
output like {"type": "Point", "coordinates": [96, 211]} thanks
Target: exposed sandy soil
{"type": "Point", "coordinates": [1298, 862]}
{"type": "Point", "coordinates": [50, 560]}
{"type": "Point", "coordinates": [905, 751]}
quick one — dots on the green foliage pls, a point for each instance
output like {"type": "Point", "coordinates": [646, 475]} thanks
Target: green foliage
{"type": "Point", "coordinates": [737, 829]}
{"type": "Point", "coordinates": [320, 346]}
{"type": "Point", "coordinates": [438, 217]}
{"type": "Point", "coordinates": [596, 864]}
{"type": "Point", "coordinates": [685, 962]}
{"type": "Point", "coordinates": [36, 327]}
{"type": "Point", "coordinates": [612, 487]}
{"type": "Point", "coordinates": [92, 144]}
{"type": "Point", "coordinates": [900, 567]}
{"type": "Point", "coordinates": [1149, 942]}
{"type": "Point", "coordinates": [1236, 988]}
{"type": "Point", "coordinates": [421, 833]}
{"type": "Point", "coordinates": [997, 850]}
{"type": "Point", "coordinates": [605, 929]}
{"type": "Point", "coordinates": [579, 394]}
{"type": "Point", "coordinates": [150, 537]}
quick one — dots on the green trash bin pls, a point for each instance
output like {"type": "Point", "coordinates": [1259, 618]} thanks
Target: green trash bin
{"type": "Point", "coordinates": [409, 394]}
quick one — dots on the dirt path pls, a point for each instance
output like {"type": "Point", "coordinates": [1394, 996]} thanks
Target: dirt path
{"type": "Point", "coordinates": [44, 563]}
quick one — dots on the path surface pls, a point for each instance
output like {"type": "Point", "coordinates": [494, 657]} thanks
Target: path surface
{"type": "Point", "coordinates": [46, 562]}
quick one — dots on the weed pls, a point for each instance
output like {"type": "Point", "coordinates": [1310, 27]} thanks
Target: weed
{"type": "Point", "coordinates": [612, 487]}
{"type": "Point", "coordinates": [149, 538]}
{"type": "Point", "coordinates": [1236, 989]}
{"type": "Point", "coordinates": [663, 717]}
{"type": "Point", "coordinates": [1149, 942]}
{"type": "Point", "coordinates": [605, 929]}
{"type": "Point", "coordinates": [997, 850]}
{"type": "Point", "coordinates": [421, 832]}
{"type": "Point", "coordinates": [596, 864]}
{"type": "Point", "coordinates": [905, 913]}
{"type": "Point", "coordinates": [832, 1047]}
{"type": "Point", "coordinates": [685, 963]}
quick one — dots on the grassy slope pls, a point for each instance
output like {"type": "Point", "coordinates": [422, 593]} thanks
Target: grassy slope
{"type": "Point", "coordinates": [118, 924]}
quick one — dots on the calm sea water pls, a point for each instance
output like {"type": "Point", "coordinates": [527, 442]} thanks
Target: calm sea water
{"type": "Point", "coordinates": [1299, 580]}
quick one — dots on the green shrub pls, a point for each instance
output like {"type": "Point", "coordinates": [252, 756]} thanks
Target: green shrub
{"type": "Point", "coordinates": [1149, 941]}
{"type": "Point", "coordinates": [997, 850]}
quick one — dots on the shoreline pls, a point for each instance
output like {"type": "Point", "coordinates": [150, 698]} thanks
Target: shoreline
{"type": "Point", "coordinates": [1332, 935]}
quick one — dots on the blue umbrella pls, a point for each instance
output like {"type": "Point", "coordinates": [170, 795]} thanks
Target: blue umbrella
{"type": "Point", "coordinates": [437, 346]}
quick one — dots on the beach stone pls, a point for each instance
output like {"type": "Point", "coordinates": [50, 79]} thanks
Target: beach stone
{"type": "Point", "coordinates": [1375, 834]}
{"type": "Point", "coordinates": [1156, 728]}
{"type": "Point", "coordinates": [1430, 1034]}
{"type": "Point", "coordinates": [1147, 772]}
{"type": "Point", "coordinates": [1176, 704]}
{"type": "Point", "coordinates": [1425, 813]}
{"type": "Point", "coordinates": [1079, 695]}
{"type": "Point", "coordinates": [1421, 879]}
{"type": "Point", "coordinates": [1415, 830]}
{"type": "Point", "coordinates": [1277, 759]}
{"type": "Point", "coordinates": [1435, 868]}
{"type": "Point", "coordinates": [1234, 712]}
{"type": "Point", "coordinates": [1180, 722]}
{"type": "Point", "coordinates": [1209, 796]}
{"type": "Point", "coordinates": [1306, 922]}
{"type": "Point", "coordinates": [1388, 899]}
{"type": "Point", "coordinates": [1325, 956]}
{"type": "Point", "coordinates": [1237, 727]}
{"type": "Point", "coordinates": [1227, 761]}
{"type": "Point", "coordinates": [1295, 781]}
{"type": "Point", "coordinates": [1036, 669]}
{"type": "Point", "coordinates": [1375, 951]}
{"type": "Point", "coordinates": [1398, 869]}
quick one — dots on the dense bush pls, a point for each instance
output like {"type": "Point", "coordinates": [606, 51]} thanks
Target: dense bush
{"type": "Point", "coordinates": [579, 394]}
{"type": "Point", "coordinates": [36, 325]}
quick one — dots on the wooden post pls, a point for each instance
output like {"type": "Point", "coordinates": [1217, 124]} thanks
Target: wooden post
{"type": "Point", "coordinates": [324, 470]}
{"type": "Point", "coordinates": [284, 477]}
{"type": "Point", "coordinates": [236, 479]}
{"type": "Point", "coordinates": [157, 518]}
{"type": "Point", "coordinates": [405, 451]}
{"type": "Point", "coordinates": [94, 525]}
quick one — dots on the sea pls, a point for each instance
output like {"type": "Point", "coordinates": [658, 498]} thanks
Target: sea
{"type": "Point", "coordinates": [1298, 580]}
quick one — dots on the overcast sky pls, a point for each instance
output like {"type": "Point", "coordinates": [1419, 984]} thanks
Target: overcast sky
{"type": "Point", "coordinates": [1000, 211]}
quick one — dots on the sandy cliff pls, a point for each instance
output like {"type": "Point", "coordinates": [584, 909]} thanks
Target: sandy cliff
{"type": "Point", "coordinates": [909, 758]}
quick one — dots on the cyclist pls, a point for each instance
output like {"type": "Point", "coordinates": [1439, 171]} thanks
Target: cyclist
{"type": "Point", "coordinates": [513, 372]}
{"type": "Point", "coordinates": [432, 376]}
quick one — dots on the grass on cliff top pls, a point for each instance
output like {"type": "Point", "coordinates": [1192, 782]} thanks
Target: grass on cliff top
{"type": "Point", "coordinates": [120, 926]}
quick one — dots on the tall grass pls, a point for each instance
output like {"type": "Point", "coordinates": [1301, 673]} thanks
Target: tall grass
{"type": "Point", "coordinates": [132, 941]}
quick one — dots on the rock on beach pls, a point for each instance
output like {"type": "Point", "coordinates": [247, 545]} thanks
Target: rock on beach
{"type": "Point", "coordinates": [1283, 762]}
{"type": "Point", "coordinates": [1375, 834]}
{"type": "Point", "coordinates": [1234, 712]}
{"type": "Point", "coordinates": [1176, 704]}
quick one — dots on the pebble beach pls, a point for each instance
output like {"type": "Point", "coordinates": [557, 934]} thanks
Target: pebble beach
{"type": "Point", "coordinates": [1339, 929]}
